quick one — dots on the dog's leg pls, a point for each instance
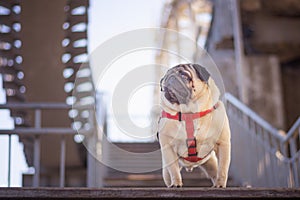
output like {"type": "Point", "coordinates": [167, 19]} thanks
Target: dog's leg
{"type": "Point", "coordinates": [172, 176]}
{"type": "Point", "coordinates": [171, 170]}
{"type": "Point", "coordinates": [175, 174]}
{"type": "Point", "coordinates": [167, 177]}
{"type": "Point", "coordinates": [223, 162]}
{"type": "Point", "coordinates": [210, 167]}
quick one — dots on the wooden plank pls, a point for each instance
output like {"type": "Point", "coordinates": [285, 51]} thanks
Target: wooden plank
{"type": "Point", "coordinates": [143, 193]}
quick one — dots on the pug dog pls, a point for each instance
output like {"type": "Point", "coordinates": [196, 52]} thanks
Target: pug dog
{"type": "Point", "coordinates": [193, 128]}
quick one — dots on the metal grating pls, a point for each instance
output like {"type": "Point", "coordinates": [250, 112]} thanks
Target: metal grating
{"type": "Point", "coordinates": [11, 60]}
{"type": "Point", "coordinates": [77, 71]}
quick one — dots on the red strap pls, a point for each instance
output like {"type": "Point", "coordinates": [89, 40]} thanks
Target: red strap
{"type": "Point", "coordinates": [164, 114]}
{"type": "Point", "coordinates": [182, 116]}
{"type": "Point", "coordinates": [189, 127]}
{"type": "Point", "coordinates": [194, 158]}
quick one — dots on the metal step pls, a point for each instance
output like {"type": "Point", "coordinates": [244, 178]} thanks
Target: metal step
{"type": "Point", "coordinates": [149, 193]}
{"type": "Point", "coordinates": [190, 179]}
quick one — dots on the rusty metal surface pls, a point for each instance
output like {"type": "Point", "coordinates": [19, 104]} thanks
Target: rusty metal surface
{"type": "Point", "coordinates": [146, 193]}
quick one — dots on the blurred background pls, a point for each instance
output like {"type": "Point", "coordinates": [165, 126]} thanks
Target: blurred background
{"type": "Point", "coordinates": [47, 122]}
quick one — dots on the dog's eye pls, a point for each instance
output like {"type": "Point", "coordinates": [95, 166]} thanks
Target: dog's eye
{"type": "Point", "coordinates": [185, 76]}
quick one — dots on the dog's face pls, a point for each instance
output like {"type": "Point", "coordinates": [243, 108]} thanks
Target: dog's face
{"type": "Point", "coordinates": [183, 83]}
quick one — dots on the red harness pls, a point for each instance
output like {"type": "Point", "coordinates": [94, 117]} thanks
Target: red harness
{"type": "Point", "coordinates": [189, 127]}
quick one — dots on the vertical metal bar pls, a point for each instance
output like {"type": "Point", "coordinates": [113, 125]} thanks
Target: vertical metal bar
{"type": "Point", "coordinates": [36, 162]}
{"type": "Point", "coordinates": [293, 164]}
{"type": "Point", "coordinates": [239, 48]}
{"type": "Point", "coordinates": [91, 168]}
{"type": "Point", "coordinates": [90, 175]}
{"type": "Point", "coordinates": [9, 162]}
{"type": "Point", "coordinates": [91, 119]}
{"type": "Point", "coordinates": [38, 118]}
{"type": "Point", "coordinates": [178, 46]}
{"type": "Point", "coordinates": [62, 161]}
{"type": "Point", "coordinates": [37, 149]}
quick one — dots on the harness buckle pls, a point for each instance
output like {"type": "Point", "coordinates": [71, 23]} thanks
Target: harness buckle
{"type": "Point", "coordinates": [179, 116]}
{"type": "Point", "coordinates": [191, 143]}
{"type": "Point", "coordinates": [193, 154]}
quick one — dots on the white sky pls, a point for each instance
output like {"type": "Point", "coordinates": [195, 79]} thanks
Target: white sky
{"type": "Point", "coordinates": [106, 19]}
{"type": "Point", "coordinates": [109, 19]}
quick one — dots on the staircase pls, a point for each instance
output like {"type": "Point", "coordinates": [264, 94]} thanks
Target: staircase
{"type": "Point", "coordinates": [142, 170]}
{"type": "Point", "coordinates": [135, 171]}
{"type": "Point", "coordinates": [262, 156]}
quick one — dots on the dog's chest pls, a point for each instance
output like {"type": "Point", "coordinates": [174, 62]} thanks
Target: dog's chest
{"type": "Point", "coordinates": [203, 131]}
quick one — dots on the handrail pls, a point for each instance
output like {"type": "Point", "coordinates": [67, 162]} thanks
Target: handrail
{"type": "Point", "coordinates": [246, 110]}
{"type": "Point", "coordinates": [292, 130]}
{"type": "Point", "coordinates": [38, 131]}
{"type": "Point", "coordinates": [44, 105]}
{"type": "Point", "coordinates": [35, 105]}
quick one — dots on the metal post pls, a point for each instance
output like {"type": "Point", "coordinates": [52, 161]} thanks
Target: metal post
{"type": "Point", "coordinates": [293, 164]}
{"type": "Point", "coordinates": [177, 38]}
{"type": "Point", "coordinates": [91, 164]}
{"type": "Point", "coordinates": [38, 118]}
{"type": "Point", "coordinates": [9, 161]}
{"type": "Point", "coordinates": [36, 162]}
{"type": "Point", "coordinates": [37, 149]}
{"type": "Point", "coordinates": [239, 49]}
{"type": "Point", "coordinates": [62, 161]}
{"type": "Point", "coordinates": [91, 172]}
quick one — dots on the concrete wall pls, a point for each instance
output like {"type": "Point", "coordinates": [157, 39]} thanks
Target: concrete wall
{"type": "Point", "coordinates": [271, 42]}
{"type": "Point", "coordinates": [264, 88]}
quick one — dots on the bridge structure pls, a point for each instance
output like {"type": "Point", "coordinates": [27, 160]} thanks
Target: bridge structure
{"type": "Point", "coordinates": [51, 97]}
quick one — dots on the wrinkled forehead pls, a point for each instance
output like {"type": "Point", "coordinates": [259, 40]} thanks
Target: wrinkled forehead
{"type": "Point", "coordinates": [177, 68]}
{"type": "Point", "coordinates": [200, 71]}
{"type": "Point", "coordinates": [184, 67]}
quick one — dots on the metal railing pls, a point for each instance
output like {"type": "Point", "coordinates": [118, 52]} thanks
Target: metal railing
{"type": "Point", "coordinates": [262, 156]}
{"type": "Point", "coordinates": [37, 131]}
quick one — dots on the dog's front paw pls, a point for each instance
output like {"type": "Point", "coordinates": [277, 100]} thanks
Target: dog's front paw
{"type": "Point", "coordinates": [220, 184]}
{"type": "Point", "coordinates": [176, 186]}
{"type": "Point", "coordinates": [177, 183]}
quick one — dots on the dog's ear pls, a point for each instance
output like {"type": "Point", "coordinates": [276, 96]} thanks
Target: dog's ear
{"type": "Point", "coordinates": [160, 83]}
{"type": "Point", "coordinates": [202, 73]}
